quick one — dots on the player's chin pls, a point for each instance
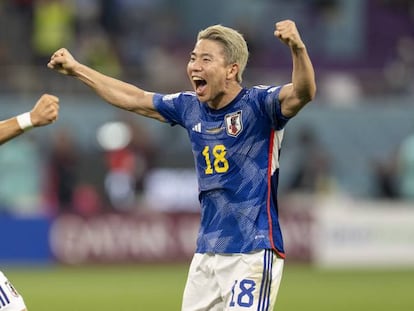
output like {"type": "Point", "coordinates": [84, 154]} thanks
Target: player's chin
{"type": "Point", "coordinates": [202, 97]}
{"type": "Point", "coordinates": [203, 94]}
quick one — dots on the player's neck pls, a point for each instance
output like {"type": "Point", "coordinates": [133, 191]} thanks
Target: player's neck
{"type": "Point", "coordinates": [226, 97]}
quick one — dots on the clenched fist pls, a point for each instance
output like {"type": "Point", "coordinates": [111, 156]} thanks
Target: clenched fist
{"type": "Point", "coordinates": [63, 62]}
{"type": "Point", "coordinates": [45, 111]}
{"type": "Point", "coordinates": [287, 32]}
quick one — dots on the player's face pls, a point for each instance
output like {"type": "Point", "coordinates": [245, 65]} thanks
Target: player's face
{"type": "Point", "coordinates": [208, 71]}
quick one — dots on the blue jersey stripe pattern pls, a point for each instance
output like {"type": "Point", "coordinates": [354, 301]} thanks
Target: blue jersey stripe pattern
{"type": "Point", "coordinates": [236, 153]}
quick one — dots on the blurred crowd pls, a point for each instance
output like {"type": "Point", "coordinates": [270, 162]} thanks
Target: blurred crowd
{"type": "Point", "coordinates": [361, 49]}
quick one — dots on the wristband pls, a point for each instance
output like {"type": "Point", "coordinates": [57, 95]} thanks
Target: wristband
{"type": "Point", "coordinates": [24, 121]}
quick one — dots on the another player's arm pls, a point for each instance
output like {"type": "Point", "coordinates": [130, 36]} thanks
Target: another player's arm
{"type": "Point", "coordinates": [44, 112]}
{"type": "Point", "coordinates": [118, 93]}
{"type": "Point", "coordinates": [9, 129]}
{"type": "Point", "coordinates": [302, 90]}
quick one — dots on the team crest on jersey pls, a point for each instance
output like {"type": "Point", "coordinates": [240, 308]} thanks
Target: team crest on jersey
{"type": "Point", "coordinates": [234, 124]}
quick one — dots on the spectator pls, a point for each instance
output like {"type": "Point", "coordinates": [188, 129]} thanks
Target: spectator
{"type": "Point", "coordinates": [62, 171]}
{"type": "Point", "coordinates": [53, 26]}
{"type": "Point", "coordinates": [313, 172]}
{"type": "Point", "coordinates": [127, 164]}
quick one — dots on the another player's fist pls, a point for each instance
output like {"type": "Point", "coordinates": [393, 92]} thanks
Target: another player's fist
{"type": "Point", "coordinates": [45, 111]}
{"type": "Point", "coordinates": [63, 62]}
{"type": "Point", "coordinates": [287, 32]}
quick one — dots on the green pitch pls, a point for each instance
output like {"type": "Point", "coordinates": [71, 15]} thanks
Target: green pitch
{"type": "Point", "coordinates": [159, 287]}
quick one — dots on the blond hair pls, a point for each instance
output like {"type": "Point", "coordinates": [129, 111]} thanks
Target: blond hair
{"type": "Point", "coordinates": [234, 45]}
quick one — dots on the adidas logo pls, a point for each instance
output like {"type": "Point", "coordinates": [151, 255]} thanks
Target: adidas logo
{"type": "Point", "coordinates": [197, 128]}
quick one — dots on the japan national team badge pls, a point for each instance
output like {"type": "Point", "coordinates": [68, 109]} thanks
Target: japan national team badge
{"type": "Point", "coordinates": [234, 124]}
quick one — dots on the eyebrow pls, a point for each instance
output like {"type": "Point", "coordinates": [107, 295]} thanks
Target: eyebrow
{"type": "Point", "coordinates": [201, 55]}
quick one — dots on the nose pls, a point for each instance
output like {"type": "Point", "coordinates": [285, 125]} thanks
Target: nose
{"type": "Point", "coordinates": [194, 65]}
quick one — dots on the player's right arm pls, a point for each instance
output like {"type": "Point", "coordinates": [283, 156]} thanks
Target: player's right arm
{"type": "Point", "coordinates": [44, 112]}
{"type": "Point", "coordinates": [116, 92]}
{"type": "Point", "coordinates": [8, 129]}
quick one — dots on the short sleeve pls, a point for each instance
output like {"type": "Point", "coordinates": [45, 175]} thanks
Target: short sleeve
{"type": "Point", "coordinates": [168, 106]}
{"type": "Point", "coordinates": [270, 97]}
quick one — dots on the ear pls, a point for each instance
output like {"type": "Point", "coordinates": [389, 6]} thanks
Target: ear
{"type": "Point", "coordinates": [232, 71]}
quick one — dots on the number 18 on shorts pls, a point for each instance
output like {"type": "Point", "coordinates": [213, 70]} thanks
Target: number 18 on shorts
{"type": "Point", "coordinates": [232, 282]}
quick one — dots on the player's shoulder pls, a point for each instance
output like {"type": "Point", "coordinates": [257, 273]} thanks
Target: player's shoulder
{"type": "Point", "coordinates": [265, 88]}
{"type": "Point", "coordinates": [184, 95]}
{"type": "Point", "coordinates": [261, 92]}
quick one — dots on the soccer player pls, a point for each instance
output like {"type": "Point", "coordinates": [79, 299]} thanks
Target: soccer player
{"type": "Point", "coordinates": [236, 135]}
{"type": "Point", "coordinates": [44, 112]}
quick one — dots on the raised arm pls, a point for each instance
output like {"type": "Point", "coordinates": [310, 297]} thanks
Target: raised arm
{"type": "Point", "coordinates": [44, 112]}
{"type": "Point", "coordinates": [297, 94]}
{"type": "Point", "coordinates": [118, 93]}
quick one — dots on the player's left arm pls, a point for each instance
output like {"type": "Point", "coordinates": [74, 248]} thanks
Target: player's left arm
{"type": "Point", "coordinates": [295, 95]}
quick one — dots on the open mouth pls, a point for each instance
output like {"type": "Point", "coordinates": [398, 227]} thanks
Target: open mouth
{"type": "Point", "coordinates": [200, 85]}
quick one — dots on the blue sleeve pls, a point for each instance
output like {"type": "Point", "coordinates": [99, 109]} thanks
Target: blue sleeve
{"type": "Point", "coordinates": [270, 97]}
{"type": "Point", "coordinates": [169, 107]}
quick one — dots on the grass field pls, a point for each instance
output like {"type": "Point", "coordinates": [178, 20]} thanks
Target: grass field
{"type": "Point", "coordinates": [159, 287]}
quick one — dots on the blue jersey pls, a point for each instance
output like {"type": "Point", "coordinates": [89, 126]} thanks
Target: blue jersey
{"type": "Point", "coordinates": [236, 151]}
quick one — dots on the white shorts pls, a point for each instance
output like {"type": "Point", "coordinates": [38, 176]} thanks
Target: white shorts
{"type": "Point", "coordinates": [233, 282]}
{"type": "Point", "coordinates": [10, 299]}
